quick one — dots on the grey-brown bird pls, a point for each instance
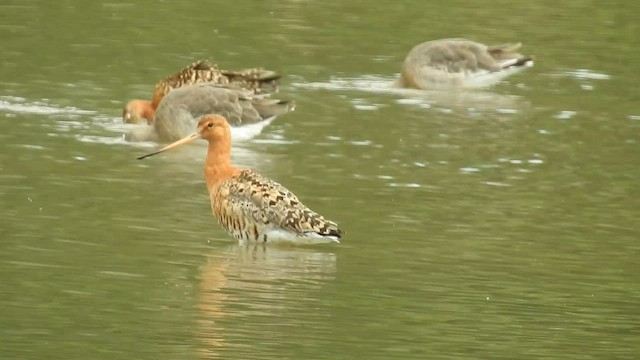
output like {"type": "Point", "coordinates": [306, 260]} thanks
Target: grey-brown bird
{"type": "Point", "coordinates": [179, 111]}
{"type": "Point", "coordinates": [255, 80]}
{"type": "Point", "coordinates": [451, 63]}
{"type": "Point", "coordinates": [249, 206]}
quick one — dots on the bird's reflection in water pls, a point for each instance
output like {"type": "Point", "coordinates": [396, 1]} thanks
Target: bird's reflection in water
{"type": "Point", "coordinates": [456, 100]}
{"type": "Point", "coordinates": [248, 281]}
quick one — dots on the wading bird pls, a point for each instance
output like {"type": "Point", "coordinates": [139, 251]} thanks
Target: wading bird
{"type": "Point", "coordinates": [249, 206]}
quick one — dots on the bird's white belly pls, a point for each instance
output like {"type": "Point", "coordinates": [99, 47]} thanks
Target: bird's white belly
{"type": "Point", "coordinates": [277, 235]}
{"type": "Point", "coordinates": [484, 78]}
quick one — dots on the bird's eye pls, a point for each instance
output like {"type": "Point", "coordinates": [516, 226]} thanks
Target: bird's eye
{"type": "Point", "coordinates": [210, 125]}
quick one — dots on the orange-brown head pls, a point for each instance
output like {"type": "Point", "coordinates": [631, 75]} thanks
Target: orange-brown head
{"type": "Point", "coordinates": [138, 111]}
{"type": "Point", "coordinates": [213, 128]}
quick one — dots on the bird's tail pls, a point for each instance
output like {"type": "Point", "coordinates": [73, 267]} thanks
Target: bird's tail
{"type": "Point", "coordinates": [257, 79]}
{"type": "Point", "coordinates": [269, 107]}
{"type": "Point", "coordinates": [507, 55]}
{"type": "Point", "coordinates": [504, 50]}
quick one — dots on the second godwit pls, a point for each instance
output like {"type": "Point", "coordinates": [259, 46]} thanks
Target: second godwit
{"type": "Point", "coordinates": [450, 63]}
{"type": "Point", "coordinates": [249, 206]}
{"type": "Point", "coordinates": [255, 80]}
{"type": "Point", "coordinates": [179, 111]}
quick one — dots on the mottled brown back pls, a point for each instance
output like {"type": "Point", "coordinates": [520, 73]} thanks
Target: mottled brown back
{"type": "Point", "coordinates": [248, 205]}
{"type": "Point", "coordinates": [258, 81]}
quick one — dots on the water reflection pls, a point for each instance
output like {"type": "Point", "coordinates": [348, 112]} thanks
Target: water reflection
{"type": "Point", "coordinates": [89, 122]}
{"type": "Point", "coordinates": [252, 282]}
{"type": "Point", "coordinates": [471, 101]}
{"type": "Point", "coordinates": [15, 104]}
{"type": "Point", "coordinates": [88, 126]}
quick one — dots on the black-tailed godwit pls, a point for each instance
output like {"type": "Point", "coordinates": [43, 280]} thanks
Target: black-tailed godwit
{"type": "Point", "coordinates": [249, 206]}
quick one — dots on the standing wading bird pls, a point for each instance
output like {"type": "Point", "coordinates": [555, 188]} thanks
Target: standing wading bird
{"type": "Point", "coordinates": [451, 63]}
{"type": "Point", "coordinates": [179, 111]}
{"type": "Point", "coordinates": [256, 81]}
{"type": "Point", "coordinates": [249, 206]}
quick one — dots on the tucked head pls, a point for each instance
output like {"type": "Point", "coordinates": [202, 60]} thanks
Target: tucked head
{"type": "Point", "coordinates": [138, 111]}
{"type": "Point", "coordinates": [213, 128]}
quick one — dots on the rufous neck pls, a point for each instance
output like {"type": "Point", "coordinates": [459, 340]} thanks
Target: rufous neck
{"type": "Point", "coordinates": [157, 97]}
{"type": "Point", "coordinates": [148, 112]}
{"type": "Point", "coordinates": [218, 164]}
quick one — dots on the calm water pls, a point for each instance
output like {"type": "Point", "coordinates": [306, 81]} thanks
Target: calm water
{"type": "Point", "coordinates": [495, 224]}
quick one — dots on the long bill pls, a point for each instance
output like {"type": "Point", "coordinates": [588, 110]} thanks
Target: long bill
{"type": "Point", "coordinates": [184, 140]}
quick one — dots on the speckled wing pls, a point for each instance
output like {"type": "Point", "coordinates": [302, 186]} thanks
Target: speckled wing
{"type": "Point", "coordinates": [199, 71]}
{"type": "Point", "coordinates": [268, 205]}
{"type": "Point", "coordinates": [256, 80]}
